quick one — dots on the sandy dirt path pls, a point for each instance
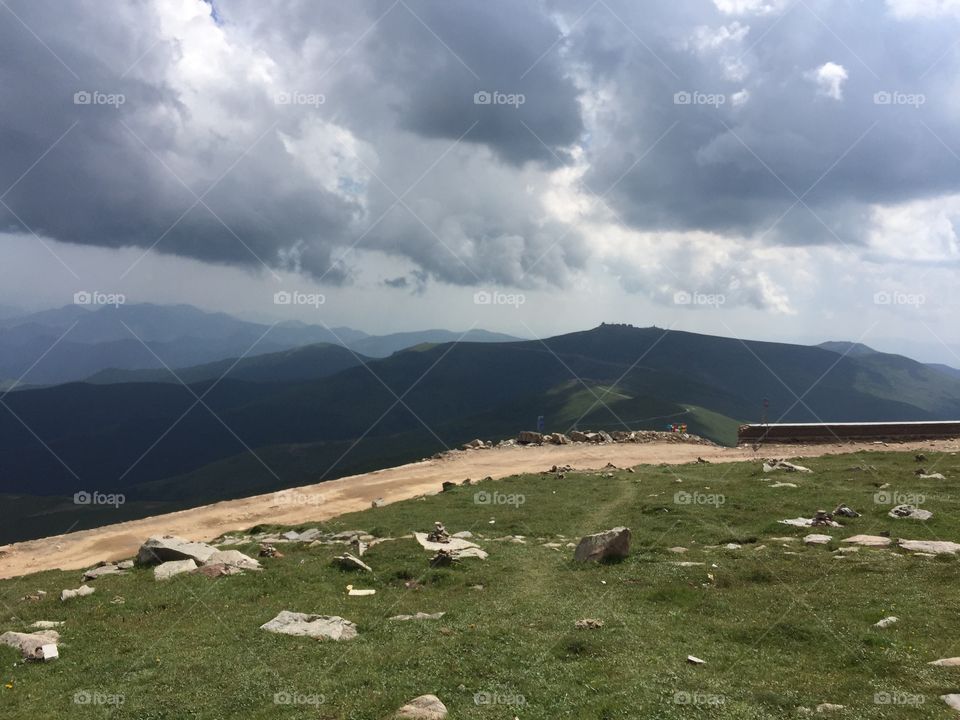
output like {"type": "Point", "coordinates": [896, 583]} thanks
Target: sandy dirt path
{"type": "Point", "coordinates": [315, 503]}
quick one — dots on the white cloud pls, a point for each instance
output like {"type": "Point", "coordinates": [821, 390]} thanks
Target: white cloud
{"type": "Point", "coordinates": [829, 78]}
{"type": "Point", "coordinates": [911, 9]}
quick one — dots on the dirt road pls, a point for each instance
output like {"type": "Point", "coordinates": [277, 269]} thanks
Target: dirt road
{"type": "Point", "coordinates": [315, 503]}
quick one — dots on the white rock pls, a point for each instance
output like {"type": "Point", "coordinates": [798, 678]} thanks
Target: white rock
{"type": "Point", "coordinates": [933, 476]}
{"type": "Point", "coordinates": [886, 622]}
{"type": "Point", "coordinates": [234, 558]}
{"type": "Point", "coordinates": [456, 547]}
{"type": "Point", "coordinates": [351, 562]}
{"type": "Point", "coordinates": [425, 707]}
{"type": "Point", "coordinates": [33, 646]}
{"type": "Point", "coordinates": [320, 627]}
{"type": "Point", "coordinates": [693, 660]}
{"type": "Point", "coordinates": [167, 570]}
{"type": "Point", "coordinates": [867, 540]}
{"type": "Point", "coordinates": [952, 701]}
{"type": "Point", "coordinates": [828, 707]}
{"type": "Point", "coordinates": [359, 592]}
{"type": "Point", "coordinates": [806, 522]}
{"type": "Point", "coordinates": [909, 512]}
{"type": "Point", "coordinates": [815, 539]}
{"type": "Point", "coordinates": [419, 616]}
{"type": "Point", "coordinates": [937, 547]}
{"type": "Point", "coordinates": [100, 571]}
{"type": "Point", "coordinates": [46, 624]}
{"type": "Point", "coordinates": [779, 484]}
{"type": "Point", "coordinates": [771, 465]}
{"type": "Point", "coordinates": [946, 662]}
{"type": "Point", "coordinates": [81, 591]}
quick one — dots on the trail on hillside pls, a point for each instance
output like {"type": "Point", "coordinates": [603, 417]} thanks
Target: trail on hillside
{"type": "Point", "coordinates": [323, 501]}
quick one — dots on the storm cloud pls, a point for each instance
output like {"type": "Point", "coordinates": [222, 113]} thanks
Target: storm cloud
{"type": "Point", "coordinates": [480, 142]}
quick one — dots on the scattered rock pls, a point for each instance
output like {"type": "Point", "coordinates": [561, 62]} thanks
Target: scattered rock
{"type": "Point", "coordinates": [359, 592]}
{"type": "Point", "coordinates": [732, 546]}
{"type": "Point", "coordinates": [35, 597]}
{"type": "Point", "coordinates": [377, 502]}
{"type": "Point", "coordinates": [267, 550]}
{"type": "Point", "coordinates": [456, 547]}
{"type": "Point", "coordinates": [419, 616]}
{"type": "Point", "coordinates": [911, 512]}
{"type": "Point", "coordinates": [806, 522]}
{"type": "Point", "coordinates": [125, 565]}
{"type": "Point", "coordinates": [81, 591]}
{"type": "Point", "coordinates": [167, 570]}
{"type": "Point", "coordinates": [779, 484]}
{"type": "Point", "coordinates": [821, 518]}
{"type": "Point", "coordinates": [100, 571]}
{"type": "Point", "coordinates": [611, 544]}
{"type": "Point", "coordinates": [932, 476]}
{"type": "Point", "coordinates": [216, 570]}
{"type": "Point", "coordinates": [815, 539]}
{"type": "Point", "coordinates": [829, 707]}
{"type": "Point", "coordinates": [291, 535]}
{"type": "Point", "coordinates": [234, 558]}
{"type": "Point", "coordinates": [886, 622]}
{"type": "Point", "coordinates": [867, 540]}
{"type": "Point", "coordinates": [946, 662]}
{"type": "Point", "coordinates": [772, 465]}
{"type": "Point", "coordinates": [425, 707]}
{"type": "Point", "coordinates": [439, 533]}
{"type": "Point", "coordinates": [157, 550]}
{"type": "Point", "coordinates": [937, 547]}
{"type": "Point", "coordinates": [527, 437]}
{"type": "Point", "coordinates": [46, 624]}
{"type": "Point", "coordinates": [320, 627]}
{"type": "Point", "coordinates": [952, 701]}
{"type": "Point", "coordinates": [588, 624]}
{"type": "Point", "coordinates": [677, 549]}
{"type": "Point", "coordinates": [349, 562]}
{"type": "Point", "coordinates": [845, 511]}
{"type": "Point", "coordinates": [694, 660]}
{"type": "Point", "coordinates": [34, 646]}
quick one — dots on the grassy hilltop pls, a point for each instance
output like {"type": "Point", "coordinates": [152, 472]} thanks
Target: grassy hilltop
{"type": "Point", "coordinates": [779, 624]}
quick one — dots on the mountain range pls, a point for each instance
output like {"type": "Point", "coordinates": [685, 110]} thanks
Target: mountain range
{"type": "Point", "coordinates": [232, 427]}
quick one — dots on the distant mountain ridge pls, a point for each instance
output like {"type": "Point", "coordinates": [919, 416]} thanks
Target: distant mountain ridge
{"type": "Point", "coordinates": [75, 342]}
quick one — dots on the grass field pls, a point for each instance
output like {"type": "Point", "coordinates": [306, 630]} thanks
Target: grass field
{"type": "Point", "coordinates": [780, 625]}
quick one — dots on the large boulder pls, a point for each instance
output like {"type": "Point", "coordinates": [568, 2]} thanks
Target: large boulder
{"type": "Point", "coordinates": [157, 550]}
{"type": "Point", "coordinates": [528, 437]}
{"type": "Point", "coordinates": [425, 707]}
{"type": "Point", "coordinates": [33, 646]}
{"type": "Point", "coordinates": [319, 627]}
{"type": "Point", "coordinates": [578, 436]}
{"type": "Point", "coordinates": [609, 545]}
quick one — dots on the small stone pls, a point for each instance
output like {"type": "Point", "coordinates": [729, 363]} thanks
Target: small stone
{"type": "Point", "coordinates": [815, 539]}
{"type": "Point", "coordinates": [886, 622]}
{"type": "Point", "coordinates": [694, 660]}
{"type": "Point", "coordinates": [349, 562]}
{"type": "Point", "coordinates": [588, 624]}
{"type": "Point", "coordinates": [419, 616]}
{"type": "Point", "coordinates": [425, 707]}
{"type": "Point", "coordinates": [952, 701]}
{"type": "Point", "coordinates": [828, 707]}
{"type": "Point", "coordinates": [81, 591]}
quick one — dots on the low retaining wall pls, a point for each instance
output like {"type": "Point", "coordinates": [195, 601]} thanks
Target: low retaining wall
{"type": "Point", "coordinates": [832, 432]}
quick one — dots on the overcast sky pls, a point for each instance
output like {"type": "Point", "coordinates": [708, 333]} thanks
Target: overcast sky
{"type": "Point", "coordinates": [771, 169]}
